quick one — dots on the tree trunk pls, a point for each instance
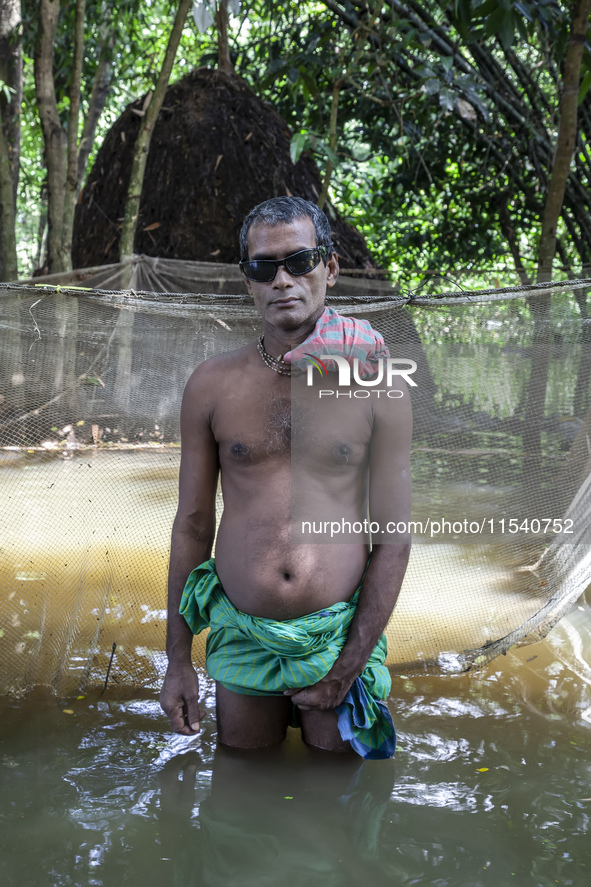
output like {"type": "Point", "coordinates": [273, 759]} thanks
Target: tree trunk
{"type": "Point", "coordinates": [540, 305]}
{"type": "Point", "coordinates": [71, 191]}
{"type": "Point", "coordinates": [41, 254]}
{"type": "Point", "coordinates": [332, 141]}
{"type": "Point", "coordinates": [66, 316]}
{"type": "Point", "coordinates": [11, 357]}
{"type": "Point", "coordinates": [142, 145]}
{"type": "Point", "coordinates": [98, 98]}
{"type": "Point", "coordinates": [7, 212]}
{"type": "Point", "coordinates": [221, 20]}
{"type": "Point", "coordinates": [11, 73]}
{"type": "Point", "coordinates": [66, 161]}
{"type": "Point", "coordinates": [567, 135]}
{"type": "Point", "coordinates": [53, 135]}
{"type": "Point", "coordinates": [508, 229]}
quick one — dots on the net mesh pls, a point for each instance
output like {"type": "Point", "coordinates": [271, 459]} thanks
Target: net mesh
{"type": "Point", "coordinates": [90, 390]}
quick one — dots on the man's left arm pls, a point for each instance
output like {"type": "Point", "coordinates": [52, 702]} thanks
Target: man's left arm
{"type": "Point", "coordinates": [389, 505]}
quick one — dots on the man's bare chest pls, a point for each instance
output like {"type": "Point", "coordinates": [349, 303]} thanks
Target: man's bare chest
{"type": "Point", "coordinates": [252, 425]}
{"type": "Point", "coordinates": [263, 425]}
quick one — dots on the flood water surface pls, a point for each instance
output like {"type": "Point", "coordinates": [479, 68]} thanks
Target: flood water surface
{"type": "Point", "coordinates": [490, 785]}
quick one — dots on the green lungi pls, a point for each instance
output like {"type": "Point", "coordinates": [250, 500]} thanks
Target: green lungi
{"type": "Point", "coordinates": [258, 656]}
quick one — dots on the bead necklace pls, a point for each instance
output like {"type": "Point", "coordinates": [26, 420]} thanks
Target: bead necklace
{"type": "Point", "coordinates": [276, 363]}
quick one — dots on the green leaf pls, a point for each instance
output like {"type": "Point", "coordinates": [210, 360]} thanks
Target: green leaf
{"type": "Point", "coordinates": [584, 87]}
{"type": "Point", "coordinates": [501, 23]}
{"type": "Point", "coordinates": [276, 65]}
{"type": "Point", "coordinates": [323, 148]}
{"type": "Point", "coordinates": [493, 22]}
{"type": "Point", "coordinates": [299, 142]}
{"type": "Point", "coordinates": [447, 99]}
{"type": "Point", "coordinates": [8, 91]}
{"type": "Point", "coordinates": [521, 25]}
{"type": "Point", "coordinates": [407, 37]}
{"type": "Point", "coordinates": [523, 11]}
{"type": "Point", "coordinates": [486, 8]}
{"type": "Point", "coordinates": [507, 30]}
{"type": "Point", "coordinates": [561, 44]}
{"type": "Point", "coordinates": [432, 86]}
{"type": "Point", "coordinates": [310, 82]}
{"type": "Point", "coordinates": [202, 15]}
{"type": "Point", "coordinates": [275, 70]}
{"type": "Point", "coordinates": [463, 10]}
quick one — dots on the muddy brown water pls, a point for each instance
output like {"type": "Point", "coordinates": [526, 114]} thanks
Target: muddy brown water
{"type": "Point", "coordinates": [490, 785]}
{"type": "Point", "coordinates": [84, 555]}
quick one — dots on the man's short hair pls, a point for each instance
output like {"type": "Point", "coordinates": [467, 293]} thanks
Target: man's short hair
{"type": "Point", "coordinates": [283, 211]}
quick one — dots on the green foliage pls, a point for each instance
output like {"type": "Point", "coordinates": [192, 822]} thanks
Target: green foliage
{"type": "Point", "coordinates": [204, 12]}
{"type": "Point", "coordinates": [133, 34]}
{"type": "Point", "coordinates": [510, 21]}
{"type": "Point", "coordinates": [445, 128]}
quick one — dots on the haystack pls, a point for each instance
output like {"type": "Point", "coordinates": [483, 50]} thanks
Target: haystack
{"type": "Point", "coordinates": [217, 150]}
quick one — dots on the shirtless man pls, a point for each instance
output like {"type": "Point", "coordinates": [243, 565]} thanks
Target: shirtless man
{"type": "Point", "coordinates": [235, 418]}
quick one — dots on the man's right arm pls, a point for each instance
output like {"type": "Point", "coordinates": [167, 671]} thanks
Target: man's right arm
{"type": "Point", "coordinates": [192, 540]}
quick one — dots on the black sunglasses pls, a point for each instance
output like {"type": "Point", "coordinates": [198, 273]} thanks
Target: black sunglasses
{"type": "Point", "coordinates": [302, 262]}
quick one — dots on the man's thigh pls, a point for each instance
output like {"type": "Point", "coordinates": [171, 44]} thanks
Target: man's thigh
{"type": "Point", "coordinates": [320, 729]}
{"type": "Point", "coordinates": [251, 721]}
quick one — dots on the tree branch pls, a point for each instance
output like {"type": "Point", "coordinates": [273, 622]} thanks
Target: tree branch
{"type": "Point", "coordinates": [338, 85]}
{"type": "Point", "coordinates": [53, 136]}
{"type": "Point", "coordinates": [7, 212]}
{"type": "Point", "coordinates": [567, 133]}
{"type": "Point", "coordinates": [221, 20]}
{"type": "Point", "coordinates": [142, 145]}
{"type": "Point", "coordinates": [71, 191]}
{"type": "Point", "coordinates": [98, 98]}
{"type": "Point", "coordinates": [509, 232]}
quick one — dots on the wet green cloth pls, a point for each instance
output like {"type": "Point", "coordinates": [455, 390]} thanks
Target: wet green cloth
{"type": "Point", "coordinates": [259, 656]}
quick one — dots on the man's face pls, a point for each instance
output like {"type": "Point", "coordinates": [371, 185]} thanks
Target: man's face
{"type": "Point", "coordinates": [289, 301]}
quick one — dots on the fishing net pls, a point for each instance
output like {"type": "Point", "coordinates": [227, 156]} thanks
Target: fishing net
{"type": "Point", "coordinates": [90, 389]}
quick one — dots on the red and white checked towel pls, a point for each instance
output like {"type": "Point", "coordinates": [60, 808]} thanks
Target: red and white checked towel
{"type": "Point", "coordinates": [346, 336]}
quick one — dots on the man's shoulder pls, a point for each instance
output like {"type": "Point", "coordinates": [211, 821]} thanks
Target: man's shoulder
{"type": "Point", "coordinates": [216, 369]}
{"type": "Point", "coordinates": [392, 407]}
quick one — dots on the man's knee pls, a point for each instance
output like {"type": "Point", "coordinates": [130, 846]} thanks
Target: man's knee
{"type": "Point", "coordinates": [251, 721]}
{"type": "Point", "coordinates": [320, 730]}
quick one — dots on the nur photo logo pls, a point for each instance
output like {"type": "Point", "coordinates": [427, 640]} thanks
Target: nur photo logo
{"type": "Point", "coordinates": [386, 372]}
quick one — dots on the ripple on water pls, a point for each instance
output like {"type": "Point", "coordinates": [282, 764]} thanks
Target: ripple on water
{"type": "Point", "coordinates": [491, 776]}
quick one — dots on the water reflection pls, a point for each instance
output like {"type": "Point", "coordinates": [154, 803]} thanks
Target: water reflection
{"type": "Point", "coordinates": [492, 786]}
{"type": "Point", "coordinates": [256, 825]}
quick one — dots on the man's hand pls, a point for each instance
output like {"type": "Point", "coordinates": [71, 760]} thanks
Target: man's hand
{"type": "Point", "coordinates": [325, 695]}
{"type": "Point", "coordinates": [179, 698]}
